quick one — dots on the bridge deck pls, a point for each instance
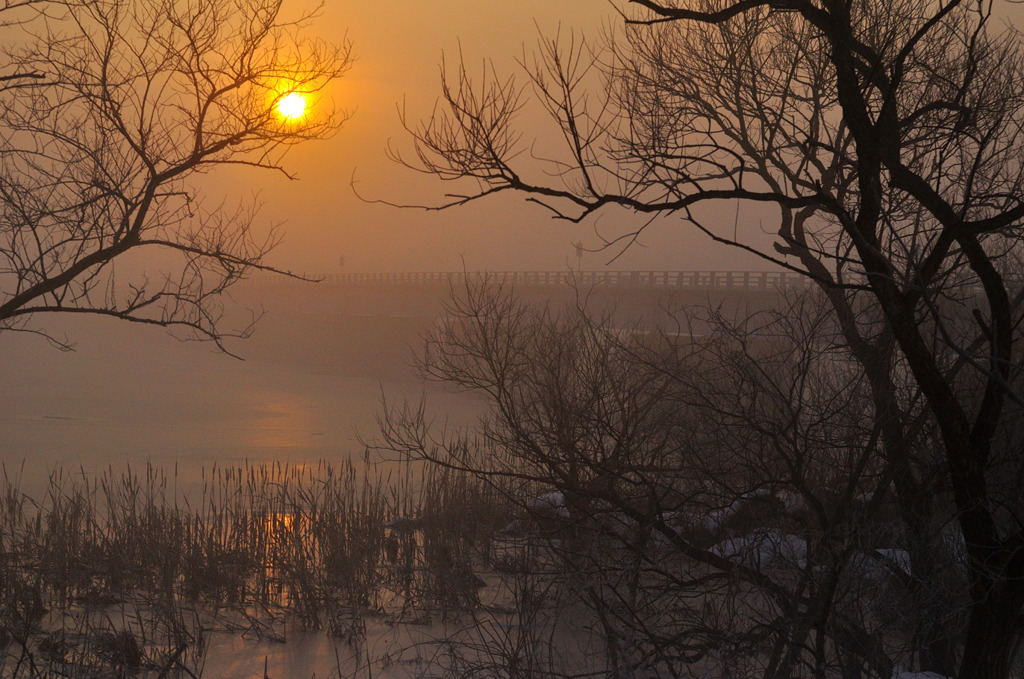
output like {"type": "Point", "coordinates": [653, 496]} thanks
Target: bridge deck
{"type": "Point", "coordinates": [674, 280]}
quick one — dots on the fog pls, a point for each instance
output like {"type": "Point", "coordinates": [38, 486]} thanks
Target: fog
{"type": "Point", "coordinates": [796, 454]}
{"type": "Point", "coordinates": [306, 386]}
{"type": "Point", "coordinates": [312, 379]}
{"type": "Point", "coordinates": [332, 225]}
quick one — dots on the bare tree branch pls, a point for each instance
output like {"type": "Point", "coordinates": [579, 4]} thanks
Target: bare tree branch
{"type": "Point", "coordinates": [117, 110]}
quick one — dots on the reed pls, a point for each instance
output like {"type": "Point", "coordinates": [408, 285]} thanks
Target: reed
{"type": "Point", "coordinates": [258, 547]}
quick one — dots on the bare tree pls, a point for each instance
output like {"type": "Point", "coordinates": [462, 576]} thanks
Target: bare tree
{"type": "Point", "coordinates": [715, 502]}
{"type": "Point", "coordinates": [886, 138]}
{"type": "Point", "coordinates": [113, 112]}
{"type": "Point", "coordinates": [11, 16]}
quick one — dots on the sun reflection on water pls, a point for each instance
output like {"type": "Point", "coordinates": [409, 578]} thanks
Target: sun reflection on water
{"type": "Point", "coordinates": [282, 421]}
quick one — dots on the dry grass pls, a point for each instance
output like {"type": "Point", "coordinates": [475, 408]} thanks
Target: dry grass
{"type": "Point", "coordinates": [121, 571]}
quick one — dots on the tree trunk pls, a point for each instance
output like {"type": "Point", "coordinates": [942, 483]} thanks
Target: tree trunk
{"type": "Point", "coordinates": [938, 652]}
{"type": "Point", "coordinates": [992, 632]}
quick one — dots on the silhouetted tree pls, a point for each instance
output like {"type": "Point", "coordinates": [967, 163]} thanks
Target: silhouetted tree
{"type": "Point", "coordinates": [10, 17]}
{"type": "Point", "coordinates": [718, 500]}
{"type": "Point", "coordinates": [885, 139]}
{"type": "Point", "coordinates": [110, 114]}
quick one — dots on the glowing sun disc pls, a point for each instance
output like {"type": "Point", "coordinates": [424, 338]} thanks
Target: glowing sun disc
{"type": "Point", "coordinates": [292, 106]}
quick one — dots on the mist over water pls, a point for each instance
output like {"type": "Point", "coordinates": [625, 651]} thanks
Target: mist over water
{"type": "Point", "coordinates": [309, 389]}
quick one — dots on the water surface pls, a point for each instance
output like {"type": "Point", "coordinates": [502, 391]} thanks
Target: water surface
{"type": "Point", "coordinates": [309, 389]}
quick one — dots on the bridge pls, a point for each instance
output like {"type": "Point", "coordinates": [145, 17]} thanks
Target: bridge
{"type": "Point", "coordinates": [740, 281]}
{"type": "Point", "coordinates": [629, 296]}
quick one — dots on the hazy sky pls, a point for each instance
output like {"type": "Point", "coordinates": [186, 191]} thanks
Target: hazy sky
{"type": "Point", "coordinates": [398, 47]}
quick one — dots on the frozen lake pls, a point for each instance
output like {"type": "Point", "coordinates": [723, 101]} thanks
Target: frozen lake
{"type": "Point", "coordinates": [310, 386]}
{"type": "Point", "coordinates": [309, 389]}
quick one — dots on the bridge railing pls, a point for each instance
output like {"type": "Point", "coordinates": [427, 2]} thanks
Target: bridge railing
{"type": "Point", "coordinates": [679, 280]}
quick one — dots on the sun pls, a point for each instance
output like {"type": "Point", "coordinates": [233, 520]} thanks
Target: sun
{"type": "Point", "coordinates": [292, 106]}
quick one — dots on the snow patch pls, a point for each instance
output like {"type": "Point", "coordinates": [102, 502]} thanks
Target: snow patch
{"type": "Point", "coordinates": [900, 673]}
{"type": "Point", "coordinates": [716, 517]}
{"type": "Point", "coordinates": [896, 558]}
{"type": "Point", "coordinates": [795, 504]}
{"type": "Point", "coordinates": [551, 504]}
{"type": "Point", "coordinates": [769, 548]}
{"type": "Point", "coordinates": [871, 567]}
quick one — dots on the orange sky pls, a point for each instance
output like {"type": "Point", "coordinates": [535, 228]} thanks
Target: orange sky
{"type": "Point", "coordinates": [398, 47]}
